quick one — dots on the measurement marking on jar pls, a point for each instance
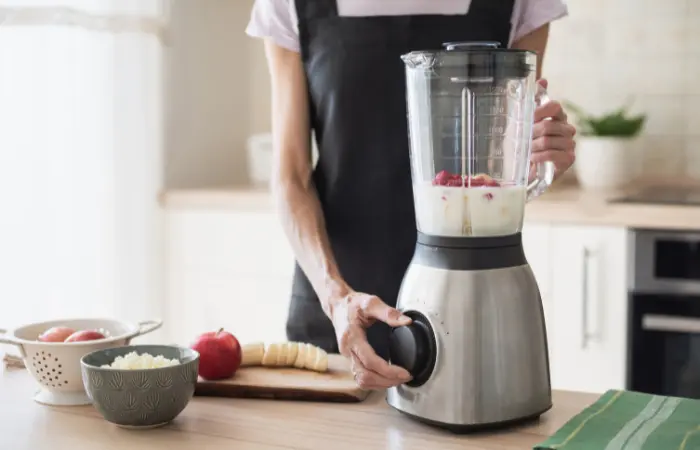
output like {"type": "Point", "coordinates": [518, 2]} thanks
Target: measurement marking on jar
{"type": "Point", "coordinates": [504, 95]}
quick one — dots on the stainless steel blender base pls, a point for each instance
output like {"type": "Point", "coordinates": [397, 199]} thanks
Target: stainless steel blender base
{"type": "Point", "coordinates": [490, 348]}
{"type": "Point", "coordinates": [473, 428]}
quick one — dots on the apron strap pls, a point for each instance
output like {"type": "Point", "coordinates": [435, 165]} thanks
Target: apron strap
{"type": "Point", "coordinates": [316, 9]}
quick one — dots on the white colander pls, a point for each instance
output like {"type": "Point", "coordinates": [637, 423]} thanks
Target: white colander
{"type": "Point", "coordinates": [56, 365]}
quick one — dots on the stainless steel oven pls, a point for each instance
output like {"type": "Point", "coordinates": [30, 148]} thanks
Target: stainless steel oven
{"type": "Point", "coordinates": [664, 319]}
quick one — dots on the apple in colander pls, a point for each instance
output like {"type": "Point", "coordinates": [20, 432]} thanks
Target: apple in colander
{"type": "Point", "coordinates": [56, 334]}
{"type": "Point", "coordinates": [85, 335]}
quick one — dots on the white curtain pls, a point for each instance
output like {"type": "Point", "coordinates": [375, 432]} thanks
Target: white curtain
{"type": "Point", "coordinates": [81, 148]}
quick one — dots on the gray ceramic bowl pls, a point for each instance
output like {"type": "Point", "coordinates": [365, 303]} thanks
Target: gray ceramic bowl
{"type": "Point", "coordinates": [140, 398]}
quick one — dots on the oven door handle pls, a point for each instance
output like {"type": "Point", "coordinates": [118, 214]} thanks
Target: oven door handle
{"type": "Point", "coordinates": [674, 324]}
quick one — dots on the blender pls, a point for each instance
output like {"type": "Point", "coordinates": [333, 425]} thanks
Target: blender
{"type": "Point", "coordinates": [477, 346]}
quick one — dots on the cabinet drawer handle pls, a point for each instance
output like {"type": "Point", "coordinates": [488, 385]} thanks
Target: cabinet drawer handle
{"type": "Point", "coordinates": [584, 301]}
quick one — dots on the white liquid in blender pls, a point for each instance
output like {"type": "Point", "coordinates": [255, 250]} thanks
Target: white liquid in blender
{"type": "Point", "coordinates": [469, 211]}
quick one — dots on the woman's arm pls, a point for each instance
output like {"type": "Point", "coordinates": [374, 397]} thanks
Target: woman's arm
{"type": "Point", "coordinates": [293, 189]}
{"type": "Point", "coordinates": [535, 41]}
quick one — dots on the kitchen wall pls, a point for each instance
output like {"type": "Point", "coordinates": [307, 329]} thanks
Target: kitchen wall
{"type": "Point", "coordinates": [609, 50]}
{"type": "Point", "coordinates": [217, 92]}
{"type": "Point", "coordinates": [605, 52]}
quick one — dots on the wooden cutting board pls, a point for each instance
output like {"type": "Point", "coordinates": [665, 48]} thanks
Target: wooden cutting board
{"type": "Point", "coordinates": [336, 385]}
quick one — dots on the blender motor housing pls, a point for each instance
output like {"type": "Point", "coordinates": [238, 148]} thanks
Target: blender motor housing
{"type": "Point", "coordinates": [477, 347]}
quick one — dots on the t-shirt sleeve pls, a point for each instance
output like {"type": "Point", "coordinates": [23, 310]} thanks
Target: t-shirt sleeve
{"type": "Point", "coordinates": [274, 19]}
{"type": "Point", "coordinates": [530, 15]}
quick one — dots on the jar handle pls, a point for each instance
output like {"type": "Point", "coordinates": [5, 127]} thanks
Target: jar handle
{"type": "Point", "coordinates": [545, 170]}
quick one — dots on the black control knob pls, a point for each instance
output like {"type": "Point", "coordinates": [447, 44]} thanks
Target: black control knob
{"type": "Point", "coordinates": [413, 348]}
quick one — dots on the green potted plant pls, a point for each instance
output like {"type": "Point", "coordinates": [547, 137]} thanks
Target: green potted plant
{"type": "Point", "coordinates": [606, 144]}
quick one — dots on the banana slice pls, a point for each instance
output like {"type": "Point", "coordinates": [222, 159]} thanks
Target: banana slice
{"type": "Point", "coordinates": [300, 360]}
{"type": "Point", "coordinates": [313, 358]}
{"type": "Point", "coordinates": [310, 357]}
{"type": "Point", "coordinates": [272, 352]}
{"type": "Point", "coordinates": [292, 351]}
{"type": "Point", "coordinates": [320, 363]}
{"type": "Point", "coordinates": [252, 354]}
{"type": "Point", "coordinates": [281, 355]}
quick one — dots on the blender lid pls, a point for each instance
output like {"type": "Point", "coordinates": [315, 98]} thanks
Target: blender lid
{"type": "Point", "coordinates": [474, 60]}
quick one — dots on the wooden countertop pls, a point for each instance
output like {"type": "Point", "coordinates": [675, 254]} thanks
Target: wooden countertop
{"type": "Point", "coordinates": [564, 203]}
{"type": "Point", "coordinates": [208, 424]}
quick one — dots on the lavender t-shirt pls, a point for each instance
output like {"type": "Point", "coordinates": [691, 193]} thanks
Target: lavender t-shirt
{"type": "Point", "coordinates": [277, 19]}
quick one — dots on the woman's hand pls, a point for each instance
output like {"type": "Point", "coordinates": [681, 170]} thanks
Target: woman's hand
{"type": "Point", "coordinates": [351, 315]}
{"type": "Point", "coordinates": [553, 140]}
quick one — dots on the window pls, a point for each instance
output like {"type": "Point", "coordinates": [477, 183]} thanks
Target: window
{"type": "Point", "coordinates": [81, 145]}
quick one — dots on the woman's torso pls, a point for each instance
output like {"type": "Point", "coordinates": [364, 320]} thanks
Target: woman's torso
{"type": "Point", "coordinates": [358, 111]}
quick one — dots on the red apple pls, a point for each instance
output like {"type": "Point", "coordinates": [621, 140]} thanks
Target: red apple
{"type": "Point", "coordinates": [56, 334]}
{"type": "Point", "coordinates": [219, 354]}
{"type": "Point", "coordinates": [85, 335]}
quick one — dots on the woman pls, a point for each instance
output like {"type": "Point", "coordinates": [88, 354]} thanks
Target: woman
{"type": "Point", "coordinates": [335, 67]}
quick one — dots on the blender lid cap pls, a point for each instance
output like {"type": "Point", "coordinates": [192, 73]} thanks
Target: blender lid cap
{"type": "Point", "coordinates": [479, 46]}
{"type": "Point", "coordinates": [468, 45]}
{"type": "Point", "coordinates": [474, 59]}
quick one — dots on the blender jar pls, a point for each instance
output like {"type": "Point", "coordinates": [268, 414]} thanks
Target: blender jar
{"type": "Point", "coordinates": [470, 118]}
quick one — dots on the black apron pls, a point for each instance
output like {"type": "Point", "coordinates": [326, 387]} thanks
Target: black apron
{"type": "Point", "coordinates": [357, 92]}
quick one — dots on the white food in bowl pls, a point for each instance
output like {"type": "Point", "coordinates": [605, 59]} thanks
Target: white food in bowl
{"type": "Point", "coordinates": [134, 361]}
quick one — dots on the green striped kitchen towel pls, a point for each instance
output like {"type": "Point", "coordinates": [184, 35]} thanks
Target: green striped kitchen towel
{"type": "Point", "coordinates": [624, 420]}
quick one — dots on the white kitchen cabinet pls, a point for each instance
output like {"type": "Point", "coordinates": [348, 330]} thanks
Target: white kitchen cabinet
{"type": "Point", "coordinates": [589, 295]}
{"type": "Point", "coordinates": [227, 268]}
